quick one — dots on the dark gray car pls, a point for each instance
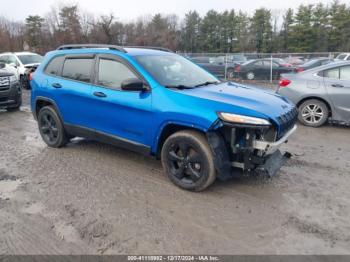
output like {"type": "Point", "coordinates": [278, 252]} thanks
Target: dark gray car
{"type": "Point", "coordinates": [320, 93]}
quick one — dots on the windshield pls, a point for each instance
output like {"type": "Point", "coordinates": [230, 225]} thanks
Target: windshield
{"type": "Point", "coordinates": [341, 57]}
{"type": "Point", "coordinates": [175, 70]}
{"type": "Point", "coordinates": [30, 59]}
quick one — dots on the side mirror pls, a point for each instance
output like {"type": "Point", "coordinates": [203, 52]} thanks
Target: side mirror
{"type": "Point", "coordinates": [134, 84]}
{"type": "Point", "coordinates": [2, 65]}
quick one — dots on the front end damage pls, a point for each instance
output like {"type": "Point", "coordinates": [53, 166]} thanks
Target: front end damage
{"type": "Point", "coordinates": [248, 149]}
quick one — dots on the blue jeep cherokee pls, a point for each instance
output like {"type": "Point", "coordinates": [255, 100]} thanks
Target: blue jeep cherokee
{"type": "Point", "coordinates": [156, 102]}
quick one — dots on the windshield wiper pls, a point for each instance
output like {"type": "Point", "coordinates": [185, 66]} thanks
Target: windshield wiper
{"type": "Point", "coordinates": [179, 86]}
{"type": "Point", "coordinates": [207, 83]}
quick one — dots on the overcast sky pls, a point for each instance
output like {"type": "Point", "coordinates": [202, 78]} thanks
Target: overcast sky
{"type": "Point", "coordinates": [126, 10]}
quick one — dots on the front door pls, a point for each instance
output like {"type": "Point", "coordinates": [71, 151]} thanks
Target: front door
{"type": "Point", "coordinates": [123, 114]}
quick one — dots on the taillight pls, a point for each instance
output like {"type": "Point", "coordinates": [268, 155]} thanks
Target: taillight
{"type": "Point", "coordinates": [300, 69]}
{"type": "Point", "coordinates": [284, 82]}
{"type": "Point", "coordinates": [238, 68]}
{"type": "Point", "coordinates": [30, 76]}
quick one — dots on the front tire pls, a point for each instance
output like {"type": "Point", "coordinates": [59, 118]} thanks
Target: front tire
{"type": "Point", "coordinates": [51, 127]}
{"type": "Point", "coordinates": [313, 113]}
{"type": "Point", "coordinates": [188, 161]}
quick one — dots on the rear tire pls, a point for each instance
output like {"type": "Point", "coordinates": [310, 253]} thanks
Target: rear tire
{"type": "Point", "coordinates": [230, 73]}
{"type": "Point", "coordinates": [313, 113]}
{"type": "Point", "coordinates": [51, 127]}
{"type": "Point", "coordinates": [188, 161]}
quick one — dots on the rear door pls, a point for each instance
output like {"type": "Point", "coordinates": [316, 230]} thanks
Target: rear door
{"type": "Point", "coordinates": [70, 87]}
{"type": "Point", "coordinates": [337, 83]}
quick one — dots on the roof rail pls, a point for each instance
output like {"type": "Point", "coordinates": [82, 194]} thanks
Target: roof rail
{"type": "Point", "coordinates": [82, 46]}
{"type": "Point", "coordinates": [152, 47]}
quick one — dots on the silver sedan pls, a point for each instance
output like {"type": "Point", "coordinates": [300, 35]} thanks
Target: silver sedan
{"type": "Point", "coordinates": [320, 93]}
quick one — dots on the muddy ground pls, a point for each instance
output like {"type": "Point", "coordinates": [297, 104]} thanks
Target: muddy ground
{"type": "Point", "coordinates": [91, 198]}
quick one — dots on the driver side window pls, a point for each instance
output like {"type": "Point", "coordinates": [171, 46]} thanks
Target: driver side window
{"type": "Point", "coordinates": [112, 73]}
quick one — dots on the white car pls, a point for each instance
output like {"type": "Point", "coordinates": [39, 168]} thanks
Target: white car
{"type": "Point", "coordinates": [21, 64]}
{"type": "Point", "coordinates": [343, 56]}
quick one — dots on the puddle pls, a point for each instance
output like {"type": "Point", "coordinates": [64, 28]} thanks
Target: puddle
{"type": "Point", "coordinates": [8, 184]}
{"type": "Point", "coordinates": [7, 187]}
{"type": "Point", "coordinates": [33, 209]}
{"type": "Point", "coordinates": [67, 233]}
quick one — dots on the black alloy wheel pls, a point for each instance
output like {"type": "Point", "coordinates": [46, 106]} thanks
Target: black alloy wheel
{"type": "Point", "coordinates": [188, 161]}
{"type": "Point", "coordinates": [51, 128]}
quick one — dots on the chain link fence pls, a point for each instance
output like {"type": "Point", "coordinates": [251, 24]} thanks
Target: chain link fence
{"type": "Point", "coordinates": [258, 67]}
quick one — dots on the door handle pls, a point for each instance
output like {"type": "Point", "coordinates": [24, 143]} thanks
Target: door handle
{"type": "Point", "coordinates": [56, 85]}
{"type": "Point", "coordinates": [337, 85]}
{"type": "Point", "coordinates": [100, 94]}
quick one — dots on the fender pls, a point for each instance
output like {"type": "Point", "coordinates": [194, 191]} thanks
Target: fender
{"type": "Point", "coordinates": [158, 135]}
{"type": "Point", "coordinates": [48, 100]}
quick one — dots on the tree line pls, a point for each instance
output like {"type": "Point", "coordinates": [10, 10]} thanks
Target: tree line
{"type": "Point", "coordinates": [309, 28]}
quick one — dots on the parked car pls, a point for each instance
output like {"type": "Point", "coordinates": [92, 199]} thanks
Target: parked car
{"type": "Point", "coordinates": [215, 65]}
{"type": "Point", "coordinates": [261, 69]}
{"type": "Point", "coordinates": [23, 63]}
{"type": "Point", "coordinates": [236, 59]}
{"type": "Point", "coordinates": [282, 62]}
{"type": "Point", "coordinates": [159, 103]}
{"type": "Point", "coordinates": [295, 60]}
{"type": "Point", "coordinates": [320, 93]}
{"type": "Point", "coordinates": [10, 89]}
{"type": "Point", "coordinates": [343, 57]}
{"type": "Point", "coordinates": [315, 62]}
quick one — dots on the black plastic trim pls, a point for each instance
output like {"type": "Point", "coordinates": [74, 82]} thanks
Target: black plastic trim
{"type": "Point", "coordinates": [107, 138]}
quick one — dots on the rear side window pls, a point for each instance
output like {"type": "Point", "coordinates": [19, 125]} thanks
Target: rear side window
{"type": "Point", "coordinates": [345, 73]}
{"type": "Point", "coordinates": [78, 69]}
{"type": "Point", "coordinates": [331, 73]}
{"type": "Point", "coordinates": [55, 66]}
{"type": "Point", "coordinates": [348, 58]}
{"type": "Point", "coordinates": [112, 73]}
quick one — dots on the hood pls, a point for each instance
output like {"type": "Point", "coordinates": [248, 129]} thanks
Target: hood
{"type": "Point", "coordinates": [4, 72]}
{"type": "Point", "coordinates": [243, 99]}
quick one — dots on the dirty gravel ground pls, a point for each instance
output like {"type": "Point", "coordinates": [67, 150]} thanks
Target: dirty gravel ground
{"type": "Point", "coordinates": [91, 198]}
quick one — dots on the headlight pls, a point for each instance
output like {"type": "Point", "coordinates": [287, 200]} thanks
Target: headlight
{"type": "Point", "coordinates": [13, 78]}
{"type": "Point", "coordinates": [239, 119]}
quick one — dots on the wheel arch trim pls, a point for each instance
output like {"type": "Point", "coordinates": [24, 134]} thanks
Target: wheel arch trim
{"type": "Point", "coordinates": [48, 100]}
{"type": "Point", "coordinates": [174, 126]}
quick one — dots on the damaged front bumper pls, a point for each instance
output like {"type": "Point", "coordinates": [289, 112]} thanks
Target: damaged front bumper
{"type": "Point", "coordinates": [241, 149]}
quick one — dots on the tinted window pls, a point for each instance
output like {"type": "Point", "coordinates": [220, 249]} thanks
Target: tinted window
{"type": "Point", "coordinates": [258, 63]}
{"type": "Point", "coordinates": [112, 73]}
{"type": "Point", "coordinates": [55, 66]}
{"type": "Point", "coordinates": [348, 58]}
{"type": "Point", "coordinates": [332, 73]}
{"type": "Point", "coordinates": [78, 69]}
{"type": "Point", "coordinates": [345, 73]}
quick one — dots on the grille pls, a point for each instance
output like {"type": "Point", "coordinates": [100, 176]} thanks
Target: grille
{"type": "Point", "coordinates": [287, 121]}
{"type": "Point", "coordinates": [4, 83]}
